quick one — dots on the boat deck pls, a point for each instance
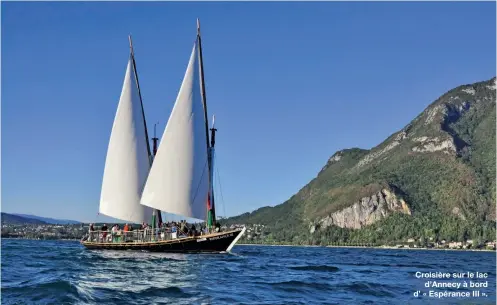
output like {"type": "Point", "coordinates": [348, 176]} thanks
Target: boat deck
{"type": "Point", "coordinates": [212, 242]}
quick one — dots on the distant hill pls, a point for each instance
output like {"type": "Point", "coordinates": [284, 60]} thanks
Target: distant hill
{"type": "Point", "coordinates": [48, 220]}
{"type": "Point", "coordinates": [435, 178]}
{"type": "Point", "coordinates": [16, 219]}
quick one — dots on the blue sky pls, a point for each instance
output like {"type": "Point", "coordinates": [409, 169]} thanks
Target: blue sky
{"type": "Point", "coordinates": [289, 83]}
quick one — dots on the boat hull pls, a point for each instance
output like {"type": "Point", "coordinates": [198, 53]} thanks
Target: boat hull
{"type": "Point", "coordinates": [212, 243]}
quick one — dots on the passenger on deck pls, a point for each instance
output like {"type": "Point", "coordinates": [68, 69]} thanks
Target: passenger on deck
{"type": "Point", "coordinates": [114, 232]}
{"type": "Point", "coordinates": [145, 228]}
{"type": "Point", "coordinates": [104, 231]}
{"type": "Point", "coordinates": [193, 230]}
{"type": "Point", "coordinates": [125, 232]}
{"type": "Point", "coordinates": [90, 232]}
{"type": "Point", "coordinates": [174, 232]}
{"type": "Point", "coordinates": [184, 229]}
{"type": "Point", "coordinates": [157, 232]}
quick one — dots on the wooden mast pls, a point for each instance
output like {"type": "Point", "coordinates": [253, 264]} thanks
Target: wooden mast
{"type": "Point", "coordinates": [155, 141]}
{"type": "Point", "coordinates": [204, 100]}
{"type": "Point", "coordinates": [150, 156]}
{"type": "Point", "coordinates": [132, 54]}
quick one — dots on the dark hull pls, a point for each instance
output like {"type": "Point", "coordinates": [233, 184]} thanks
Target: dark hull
{"type": "Point", "coordinates": [217, 242]}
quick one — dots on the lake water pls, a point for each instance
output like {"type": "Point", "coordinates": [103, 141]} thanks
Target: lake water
{"type": "Point", "coordinates": [63, 272]}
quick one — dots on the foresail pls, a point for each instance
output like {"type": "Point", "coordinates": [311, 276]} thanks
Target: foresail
{"type": "Point", "coordinates": [127, 163]}
{"type": "Point", "coordinates": [178, 182]}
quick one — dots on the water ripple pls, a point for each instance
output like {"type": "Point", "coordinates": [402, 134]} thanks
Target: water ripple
{"type": "Point", "coordinates": [62, 272]}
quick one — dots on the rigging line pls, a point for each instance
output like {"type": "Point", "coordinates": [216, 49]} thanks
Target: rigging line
{"type": "Point", "coordinates": [220, 191]}
{"type": "Point", "coordinates": [220, 188]}
{"type": "Point", "coordinates": [198, 186]}
{"type": "Point", "coordinates": [135, 72]}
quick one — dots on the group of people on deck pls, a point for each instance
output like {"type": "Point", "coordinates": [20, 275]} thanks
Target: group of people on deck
{"type": "Point", "coordinates": [165, 231]}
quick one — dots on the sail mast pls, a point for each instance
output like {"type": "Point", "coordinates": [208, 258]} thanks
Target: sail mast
{"type": "Point", "coordinates": [155, 139]}
{"type": "Point", "coordinates": [139, 93]}
{"type": "Point", "coordinates": [211, 158]}
{"type": "Point", "coordinates": [154, 152]}
{"type": "Point", "coordinates": [202, 84]}
{"type": "Point", "coordinates": [204, 100]}
{"type": "Point", "coordinates": [150, 155]}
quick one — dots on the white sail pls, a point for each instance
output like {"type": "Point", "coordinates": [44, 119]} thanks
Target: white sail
{"type": "Point", "coordinates": [127, 163]}
{"type": "Point", "coordinates": [178, 182]}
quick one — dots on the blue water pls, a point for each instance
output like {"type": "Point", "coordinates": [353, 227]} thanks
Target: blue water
{"type": "Point", "coordinates": [63, 272]}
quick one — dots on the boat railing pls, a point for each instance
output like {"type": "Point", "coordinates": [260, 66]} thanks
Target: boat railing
{"type": "Point", "coordinates": [135, 236]}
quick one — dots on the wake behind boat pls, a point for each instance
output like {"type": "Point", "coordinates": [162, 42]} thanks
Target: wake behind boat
{"type": "Point", "coordinates": [176, 177]}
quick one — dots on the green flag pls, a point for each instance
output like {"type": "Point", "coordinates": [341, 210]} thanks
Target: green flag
{"type": "Point", "coordinates": [209, 219]}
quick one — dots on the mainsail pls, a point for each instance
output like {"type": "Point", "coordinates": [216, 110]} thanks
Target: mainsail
{"type": "Point", "coordinates": [178, 181]}
{"type": "Point", "coordinates": [128, 157]}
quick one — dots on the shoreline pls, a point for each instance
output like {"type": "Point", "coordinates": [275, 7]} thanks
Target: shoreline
{"type": "Point", "coordinates": [306, 246]}
{"type": "Point", "coordinates": [62, 239]}
{"type": "Point", "coordinates": [379, 247]}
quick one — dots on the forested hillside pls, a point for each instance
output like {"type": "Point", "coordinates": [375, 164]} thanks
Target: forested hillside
{"type": "Point", "coordinates": [435, 178]}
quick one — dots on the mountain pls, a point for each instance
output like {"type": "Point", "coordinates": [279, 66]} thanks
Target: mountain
{"type": "Point", "coordinates": [16, 219]}
{"type": "Point", "coordinates": [48, 220]}
{"type": "Point", "coordinates": [435, 179]}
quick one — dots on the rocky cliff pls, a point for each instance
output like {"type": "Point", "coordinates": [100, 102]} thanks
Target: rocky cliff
{"type": "Point", "coordinates": [366, 211]}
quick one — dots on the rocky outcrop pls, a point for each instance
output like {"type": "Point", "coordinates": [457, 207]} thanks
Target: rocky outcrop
{"type": "Point", "coordinates": [434, 144]}
{"type": "Point", "coordinates": [451, 109]}
{"type": "Point", "coordinates": [374, 155]}
{"type": "Point", "coordinates": [333, 159]}
{"type": "Point", "coordinates": [433, 112]}
{"type": "Point", "coordinates": [366, 211]}
{"type": "Point", "coordinates": [493, 86]}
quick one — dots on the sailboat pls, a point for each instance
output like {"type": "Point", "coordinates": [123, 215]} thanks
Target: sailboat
{"type": "Point", "coordinates": [176, 177]}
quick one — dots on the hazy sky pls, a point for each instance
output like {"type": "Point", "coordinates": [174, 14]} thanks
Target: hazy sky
{"type": "Point", "coordinates": [289, 83]}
